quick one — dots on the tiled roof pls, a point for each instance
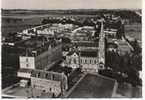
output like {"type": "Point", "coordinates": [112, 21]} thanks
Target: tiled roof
{"type": "Point", "coordinates": [89, 53]}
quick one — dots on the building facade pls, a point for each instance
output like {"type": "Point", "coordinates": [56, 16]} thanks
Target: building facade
{"type": "Point", "coordinates": [87, 61]}
{"type": "Point", "coordinates": [49, 82]}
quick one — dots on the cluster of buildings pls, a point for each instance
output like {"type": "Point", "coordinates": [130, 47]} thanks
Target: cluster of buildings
{"type": "Point", "coordinates": [85, 53]}
{"type": "Point", "coordinates": [115, 35]}
{"type": "Point", "coordinates": [43, 54]}
{"type": "Point", "coordinates": [44, 67]}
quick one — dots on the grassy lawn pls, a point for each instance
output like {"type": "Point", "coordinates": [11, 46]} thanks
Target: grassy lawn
{"type": "Point", "coordinates": [93, 86]}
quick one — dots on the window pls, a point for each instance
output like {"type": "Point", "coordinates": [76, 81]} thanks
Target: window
{"type": "Point", "coordinates": [50, 89]}
{"type": "Point", "coordinates": [90, 61]}
{"type": "Point", "coordinates": [85, 61]}
{"type": "Point", "coordinates": [75, 61]}
{"type": "Point", "coordinates": [27, 65]}
{"type": "Point", "coordinates": [95, 62]}
{"type": "Point", "coordinates": [44, 91]}
{"type": "Point", "coordinates": [46, 75]}
{"type": "Point", "coordinates": [26, 59]}
{"type": "Point", "coordinates": [38, 75]}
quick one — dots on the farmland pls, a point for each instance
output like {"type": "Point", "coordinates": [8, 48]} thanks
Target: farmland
{"type": "Point", "coordinates": [18, 24]}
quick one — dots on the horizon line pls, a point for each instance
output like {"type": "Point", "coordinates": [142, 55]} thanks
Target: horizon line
{"type": "Point", "coordinates": [73, 9]}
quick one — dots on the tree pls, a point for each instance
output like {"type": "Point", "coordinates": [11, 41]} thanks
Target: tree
{"type": "Point", "coordinates": [66, 40]}
{"type": "Point", "coordinates": [44, 21]}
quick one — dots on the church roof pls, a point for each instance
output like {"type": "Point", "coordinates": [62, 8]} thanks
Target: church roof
{"type": "Point", "coordinates": [84, 53]}
{"type": "Point", "coordinates": [89, 53]}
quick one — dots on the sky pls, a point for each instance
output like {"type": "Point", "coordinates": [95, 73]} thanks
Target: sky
{"type": "Point", "coordinates": [71, 4]}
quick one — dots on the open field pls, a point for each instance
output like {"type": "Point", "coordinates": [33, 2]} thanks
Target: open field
{"type": "Point", "coordinates": [17, 25]}
{"type": "Point", "coordinates": [93, 86]}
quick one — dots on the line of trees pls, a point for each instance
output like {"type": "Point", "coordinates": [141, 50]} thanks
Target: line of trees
{"type": "Point", "coordinates": [85, 22]}
{"type": "Point", "coordinates": [124, 68]}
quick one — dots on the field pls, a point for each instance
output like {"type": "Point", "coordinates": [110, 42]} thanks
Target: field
{"type": "Point", "coordinates": [93, 86]}
{"type": "Point", "coordinates": [18, 24]}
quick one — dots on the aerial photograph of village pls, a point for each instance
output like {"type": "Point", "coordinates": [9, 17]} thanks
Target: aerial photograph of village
{"type": "Point", "coordinates": [71, 49]}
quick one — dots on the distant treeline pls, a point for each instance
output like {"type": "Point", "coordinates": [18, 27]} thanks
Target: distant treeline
{"type": "Point", "coordinates": [125, 14]}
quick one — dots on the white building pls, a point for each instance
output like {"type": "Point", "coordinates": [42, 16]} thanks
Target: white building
{"type": "Point", "coordinates": [87, 61]}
